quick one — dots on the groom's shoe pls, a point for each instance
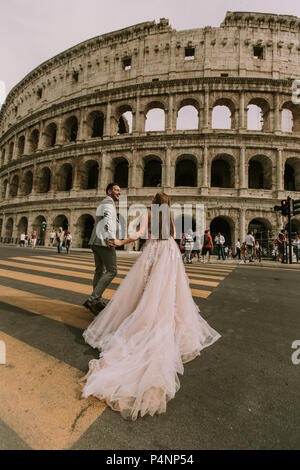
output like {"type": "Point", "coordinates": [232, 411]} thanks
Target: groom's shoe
{"type": "Point", "coordinates": [91, 307]}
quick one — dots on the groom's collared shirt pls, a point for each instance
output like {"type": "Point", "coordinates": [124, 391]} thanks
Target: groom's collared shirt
{"type": "Point", "coordinates": [106, 223]}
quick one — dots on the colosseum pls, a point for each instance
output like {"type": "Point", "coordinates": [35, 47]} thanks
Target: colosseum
{"type": "Point", "coordinates": [206, 115]}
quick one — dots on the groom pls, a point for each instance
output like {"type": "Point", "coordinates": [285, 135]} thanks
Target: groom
{"type": "Point", "coordinates": [103, 236]}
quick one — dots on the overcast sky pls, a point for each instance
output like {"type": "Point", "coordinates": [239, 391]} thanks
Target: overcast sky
{"type": "Point", "coordinates": [33, 31]}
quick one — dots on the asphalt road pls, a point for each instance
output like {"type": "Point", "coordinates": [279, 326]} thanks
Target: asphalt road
{"type": "Point", "coordinates": [241, 393]}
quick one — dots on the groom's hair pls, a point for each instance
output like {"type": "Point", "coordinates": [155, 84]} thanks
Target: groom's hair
{"type": "Point", "coordinates": [110, 186]}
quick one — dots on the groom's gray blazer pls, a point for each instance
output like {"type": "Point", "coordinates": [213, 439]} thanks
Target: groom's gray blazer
{"type": "Point", "coordinates": [106, 223]}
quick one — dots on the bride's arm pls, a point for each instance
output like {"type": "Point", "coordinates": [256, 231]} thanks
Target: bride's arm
{"type": "Point", "coordinates": [135, 236]}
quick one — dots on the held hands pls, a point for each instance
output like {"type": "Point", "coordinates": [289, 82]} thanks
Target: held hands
{"type": "Point", "coordinates": [114, 242]}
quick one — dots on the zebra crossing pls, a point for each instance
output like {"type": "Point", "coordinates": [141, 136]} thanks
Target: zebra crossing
{"type": "Point", "coordinates": [39, 395]}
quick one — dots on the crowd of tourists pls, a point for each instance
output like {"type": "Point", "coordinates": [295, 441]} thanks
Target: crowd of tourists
{"type": "Point", "coordinates": [249, 250]}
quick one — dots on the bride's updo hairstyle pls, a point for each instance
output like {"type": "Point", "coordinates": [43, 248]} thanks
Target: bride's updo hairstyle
{"type": "Point", "coordinates": [162, 224]}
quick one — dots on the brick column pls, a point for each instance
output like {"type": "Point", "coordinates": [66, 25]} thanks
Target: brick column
{"type": "Point", "coordinates": [277, 123]}
{"type": "Point", "coordinates": [242, 124]}
{"type": "Point", "coordinates": [242, 171]}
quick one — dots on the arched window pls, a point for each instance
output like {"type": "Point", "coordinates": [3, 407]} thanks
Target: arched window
{"type": "Point", "coordinates": [71, 129]}
{"type": "Point", "coordinates": [221, 117]}
{"type": "Point", "coordinates": [50, 135]}
{"type": "Point", "coordinates": [292, 174]}
{"type": "Point", "coordinates": [65, 178]}
{"type": "Point", "coordinates": [21, 145]}
{"type": "Point", "coordinates": [125, 123]}
{"type": "Point", "coordinates": [10, 151]}
{"type": "Point", "coordinates": [222, 172]}
{"type": "Point", "coordinates": [95, 124]}
{"type": "Point", "coordinates": [34, 141]}
{"type": "Point", "coordinates": [286, 120]}
{"type": "Point", "coordinates": [45, 180]}
{"type": "Point", "coordinates": [27, 183]}
{"type": "Point", "coordinates": [89, 178]}
{"type": "Point", "coordinates": [14, 186]}
{"type": "Point", "coordinates": [258, 115]}
{"type": "Point", "coordinates": [186, 172]}
{"type": "Point", "coordinates": [260, 172]}
{"type": "Point", "coordinates": [187, 118]}
{"type": "Point", "coordinates": [121, 172]}
{"type": "Point", "coordinates": [152, 172]}
{"type": "Point", "coordinates": [155, 118]}
{"type": "Point", "coordinates": [254, 118]}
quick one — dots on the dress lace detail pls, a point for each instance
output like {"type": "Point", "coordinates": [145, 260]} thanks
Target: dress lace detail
{"type": "Point", "coordinates": [146, 333]}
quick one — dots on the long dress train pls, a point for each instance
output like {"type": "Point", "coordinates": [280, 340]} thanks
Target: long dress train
{"type": "Point", "coordinates": [149, 329]}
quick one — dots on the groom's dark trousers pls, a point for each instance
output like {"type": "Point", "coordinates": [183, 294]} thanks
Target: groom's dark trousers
{"type": "Point", "coordinates": [105, 257]}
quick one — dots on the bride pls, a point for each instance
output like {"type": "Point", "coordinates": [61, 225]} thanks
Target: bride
{"type": "Point", "coordinates": [149, 329]}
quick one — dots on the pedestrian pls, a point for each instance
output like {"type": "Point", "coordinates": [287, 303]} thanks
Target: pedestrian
{"type": "Point", "coordinates": [226, 252]}
{"type": "Point", "coordinates": [188, 242]}
{"type": "Point", "coordinates": [196, 247]}
{"type": "Point", "coordinates": [52, 236]}
{"type": "Point", "coordinates": [250, 242]}
{"type": "Point", "coordinates": [238, 249]}
{"type": "Point", "coordinates": [59, 236]}
{"type": "Point", "coordinates": [26, 241]}
{"type": "Point", "coordinates": [22, 239]}
{"type": "Point", "coordinates": [244, 252]}
{"type": "Point", "coordinates": [230, 252]}
{"type": "Point", "coordinates": [296, 247]}
{"type": "Point", "coordinates": [219, 242]}
{"type": "Point", "coordinates": [257, 251]}
{"type": "Point", "coordinates": [33, 239]}
{"type": "Point", "coordinates": [207, 245]}
{"type": "Point", "coordinates": [104, 232]}
{"type": "Point", "coordinates": [68, 241]}
{"type": "Point", "coordinates": [280, 241]}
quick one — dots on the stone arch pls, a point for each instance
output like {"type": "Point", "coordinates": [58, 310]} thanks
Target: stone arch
{"type": "Point", "coordinates": [21, 145]}
{"type": "Point", "coordinates": [71, 129]}
{"type": "Point", "coordinates": [60, 221]}
{"type": "Point", "coordinates": [83, 230]}
{"type": "Point", "coordinates": [1, 227]}
{"type": "Point", "coordinates": [121, 171]}
{"type": "Point", "coordinates": [45, 180]}
{"type": "Point", "coordinates": [95, 124]}
{"type": "Point", "coordinates": [50, 134]}
{"type": "Point", "coordinates": [295, 226]}
{"type": "Point", "coordinates": [4, 189]}
{"type": "Point", "coordinates": [263, 233]}
{"type": "Point", "coordinates": [22, 225]}
{"type": "Point", "coordinates": [258, 110]}
{"type": "Point", "coordinates": [27, 183]}
{"type": "Point", "coordinates": [155, 116]}
{"type": "Point", "coordinates": [90, 175]}
{"type": "Point", "coordinates": [152, 171]}
{"type": "Point", "coordinates": [260, 172]}
{"type": "Point", "coordinates": [188, 115]}
{"type": "Point", "coordinates": [226, 226]}
{"type": "Point", "coordinates": [37, 226]}
{"type": "Point", "coordinates": [10, 151]}
{"type": "Point", "coordinates": [65, 177]}
{"type": "Point", "coordinates": [124, 117]}
{"type": "Point", "coordinates": [292, 174]}
{"type": "Point", "coordinates": [186, 171]}
{"type": "Point", "coordinates": [3, 154]}
{"type": "Point", "coordinates": [290, 117]}
{"type": "Point", "coordinates": [9, 226]}
{"type": "Point", "coordinates": [34, 140]}
{"type": "Point", "coordinates": [14, 186]}
{"type": "Point", "coordinates": [223, 114]}
{"type": "Point", "coordinates": [222, 171]}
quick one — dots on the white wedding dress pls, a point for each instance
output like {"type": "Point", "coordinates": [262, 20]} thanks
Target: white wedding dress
{"type": "Point", "coordinates": [149, 329]}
